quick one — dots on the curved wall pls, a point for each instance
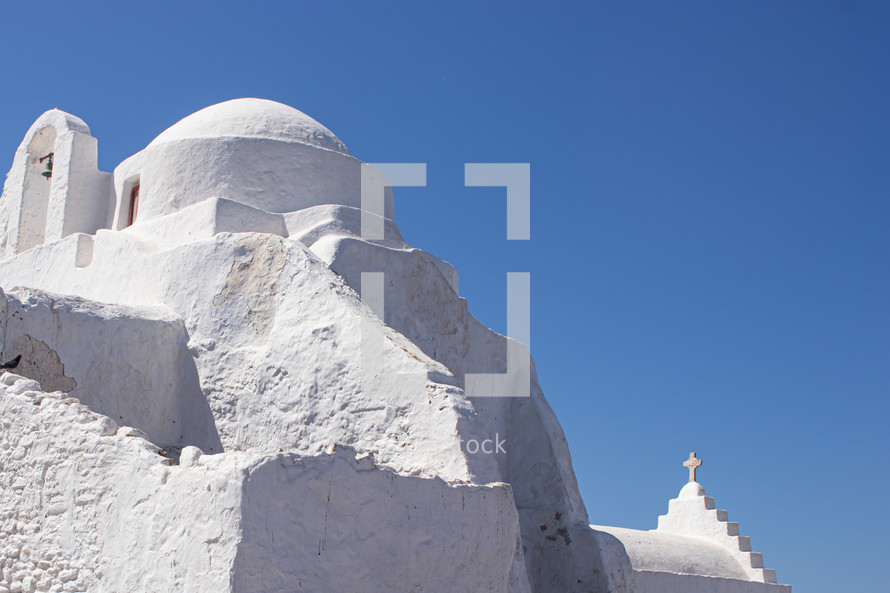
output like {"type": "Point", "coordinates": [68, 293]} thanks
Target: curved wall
{"type": "Point", "coordinates": [267, 174]}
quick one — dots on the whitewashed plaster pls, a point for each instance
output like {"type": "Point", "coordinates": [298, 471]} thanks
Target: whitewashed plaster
{"type": "Point", "coordinates": [86, 505]}
{"type": "Point", "coordinates": [694, 514]}
{"type": "Point", "coordinates": [76, 199]}
{"type": "Point", "coordinates": [253, 151]}
{"type": "Point", "coordinates": [129, 363]}
{"type": "Point", "coordinates": [232, 306]}
{"type": "Point", "coordinates": [694, 549]}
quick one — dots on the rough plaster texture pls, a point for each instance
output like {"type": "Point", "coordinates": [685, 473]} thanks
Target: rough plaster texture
{"type": "Point", "coordinates": [334, 523]}
{"type": "Point", "coordinates": [232, 309]}
{"type": "Point", "coordinates": [88, 506]}
{"type": "Point", "coordinates": [130, 363]}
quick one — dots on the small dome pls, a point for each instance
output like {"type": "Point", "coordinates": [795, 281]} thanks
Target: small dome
{"type": "Point", "coordinates": [253, 118]}
{"type": "Point", "coordinates": [691, 490]}
{"type": "Point", "coordinates": [673, 553]}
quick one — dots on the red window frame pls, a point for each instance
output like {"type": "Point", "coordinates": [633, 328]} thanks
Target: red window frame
{"type": "Point", "coordinates": [134, 204]}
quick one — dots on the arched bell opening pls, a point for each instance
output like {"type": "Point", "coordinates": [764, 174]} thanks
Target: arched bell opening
{"type": "Point", "coordinates": [37, 188]}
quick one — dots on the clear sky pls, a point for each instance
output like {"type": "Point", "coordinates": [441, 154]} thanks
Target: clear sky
{"type": "Point", "coordinates": [710, 261]}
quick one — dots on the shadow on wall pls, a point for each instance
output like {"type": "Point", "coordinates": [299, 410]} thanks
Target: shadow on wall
{"type": "Point", "coordinates": [36, 191]}
{"type": "Point", "coordinates": [422, 304]}
{"type": "Point", "coordinates": [131, 364]}
{"type": "Point", "coordinates": [334, 523]}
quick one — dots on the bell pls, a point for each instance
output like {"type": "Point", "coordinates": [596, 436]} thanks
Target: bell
{"type": "Point", "coordinates": [47, 169]}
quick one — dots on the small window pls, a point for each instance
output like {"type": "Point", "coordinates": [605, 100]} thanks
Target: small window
{"type": "Point", "coordinates": [134, 204]}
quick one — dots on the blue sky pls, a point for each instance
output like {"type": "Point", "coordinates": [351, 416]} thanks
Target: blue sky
{"type": "Point", "coordinates": [710, 205]}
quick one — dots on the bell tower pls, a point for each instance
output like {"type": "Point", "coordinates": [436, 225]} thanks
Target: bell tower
{"type": "Point", "coordinates": [54, 188]}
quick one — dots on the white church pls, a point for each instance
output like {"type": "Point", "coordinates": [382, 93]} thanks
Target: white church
{"type": "Point", "coordinates": [186, 404]}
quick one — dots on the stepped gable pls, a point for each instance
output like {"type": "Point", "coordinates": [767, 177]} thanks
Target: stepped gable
{"type": "Point", "coordinates": [694, 514]}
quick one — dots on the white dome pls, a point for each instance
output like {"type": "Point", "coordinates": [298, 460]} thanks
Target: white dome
{"type": "Point", "coordinates": [679, 554]}
{"type": "Point", "coordinates": [691, 490]}
{"type": "Point", "coordinates": [253, 118]}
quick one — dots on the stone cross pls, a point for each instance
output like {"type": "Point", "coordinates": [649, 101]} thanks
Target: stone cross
{"type": "Point", "coordinates": [692, 463]}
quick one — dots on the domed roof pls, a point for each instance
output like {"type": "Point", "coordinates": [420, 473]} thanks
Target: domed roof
{"type": "Point", "coordinates": [252, 118]}
{"type": "Point", "coordinates": [679, 554]}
